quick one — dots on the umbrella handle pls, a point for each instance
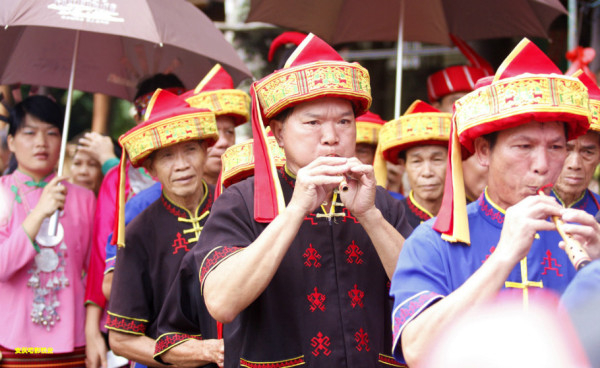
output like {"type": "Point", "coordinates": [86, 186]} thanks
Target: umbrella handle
{"type": "Point", "coordinates": [53, 225]}
{"type": "Point", "coordinates": [399, 62]}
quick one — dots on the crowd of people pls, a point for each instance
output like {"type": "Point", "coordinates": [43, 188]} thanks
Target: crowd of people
{"type": "Point", "coordinates": [305, 246]}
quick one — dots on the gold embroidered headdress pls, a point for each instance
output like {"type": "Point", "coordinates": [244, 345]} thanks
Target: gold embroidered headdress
{"type": "Point", "coordinates": [169, 120]}
{"type": "Point", "coordinates": [527, 87]}
{"type": "Point", "coordinates": [313, 71]}
{"type": "Point", "coordinates": [421, 124]}
{"type": "Point", "coordinates": [215, 92]}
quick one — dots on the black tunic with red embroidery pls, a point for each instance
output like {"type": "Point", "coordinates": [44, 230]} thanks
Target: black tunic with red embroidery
{"type": "Point", "coordinates": [155, 243]}
{"type": "Point", "coordinates": [414, 213]}
{"type": "Point", "coordinates": [327, 305]}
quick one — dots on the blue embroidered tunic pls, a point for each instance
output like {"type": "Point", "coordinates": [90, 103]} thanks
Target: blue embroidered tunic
{"type": "Point", "coordinates": [430, 268]}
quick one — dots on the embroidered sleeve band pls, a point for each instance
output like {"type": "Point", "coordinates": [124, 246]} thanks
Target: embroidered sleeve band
{"type": "Point", "coordinates": [213, 259]}
{"type": "Point", "coordinates": [171, 339]}
{"type": "Point", "coordinates": [124, 324]}
{"type": "Point", "coordinates": [407, 311]}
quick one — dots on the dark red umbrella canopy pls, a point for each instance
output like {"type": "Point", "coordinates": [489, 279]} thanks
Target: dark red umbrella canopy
{"type": "Point", "coordinates": [121, 41]}
{"type": "Point", "coordinates": [340, 21]}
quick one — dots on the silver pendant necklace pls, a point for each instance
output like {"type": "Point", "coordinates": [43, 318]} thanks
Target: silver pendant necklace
{"type": "Point", "coordinates": [47, 273]}
{"type": "Point", "coordinates": [48, 276]}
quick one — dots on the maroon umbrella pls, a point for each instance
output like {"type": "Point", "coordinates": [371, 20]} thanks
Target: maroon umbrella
{"type": "Point", "coordinates": [340, 21]}
{"type": "Point", "coordinates": [107, 46]}
{"type": "Point", "coordinates": [121, 41]}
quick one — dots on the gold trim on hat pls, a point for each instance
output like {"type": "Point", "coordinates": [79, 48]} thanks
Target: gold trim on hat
{"type": "Point", "coordinates": [167, 132]}
{"type": "Point", "coordinates": [290, 86]}
{"type": "Point", "coordinates": [223, 102]}
{"type": "Point", "coordinates": [523, 94]}
{"type": "Point", "coordinates": [410, 129]}
{"type": "Point", "coordinates": [367, 132]}
{"type": "Point", "coordinates": [240, 158]}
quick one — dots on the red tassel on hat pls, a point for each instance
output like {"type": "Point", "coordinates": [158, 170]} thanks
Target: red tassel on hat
{"type": "Point", "coordinates": [268, 197]}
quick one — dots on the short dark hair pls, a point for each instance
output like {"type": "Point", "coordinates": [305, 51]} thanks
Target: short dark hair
{"type": "Point", "coordinates": [39, 107]}
{"type": "Point", "coordinates": [152, 83]}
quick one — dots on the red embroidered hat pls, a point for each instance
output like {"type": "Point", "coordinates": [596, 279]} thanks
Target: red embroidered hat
{"type": "Point", "coordinates": [458, 78]}
{"type": "Point", "coordinates": [368, 126]}
{"type": "Point", "coordinates": [238, 162]}
{"type": "Point", "coordinates": [527, 87]}
{"type": "Point", "coordinates": [594, 95]}
{"type": "Point", "coordinates": [169, 120]}
{"type": "Point", "coordinates": [216, 93]}
{"type": "Point", "coordinates": [315, 70]}
{"type": "Point", "coordinates": [421, 124]}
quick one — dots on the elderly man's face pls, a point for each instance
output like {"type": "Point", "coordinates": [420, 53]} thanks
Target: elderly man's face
{"type": "Point", "coordinates": [523, 159]}
{"type": "Point", "coordinates": [323, 127]}
{"type": "Point", "coordinates": [582, 158]}
{"type": "Point", "coordinates": [179, 168]}
{"type": "Point", "coordinates": [426, 169]}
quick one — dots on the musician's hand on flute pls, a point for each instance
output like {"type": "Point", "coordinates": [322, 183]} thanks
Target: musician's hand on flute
{"type": "Point", "coordinates": [522, 222]}
{"type": "Point", "coordinates": [584, 228]}
{"type": "Point", "coordinates": [316, 181]}
{"type": "Point", "coordinates": [360, 181]}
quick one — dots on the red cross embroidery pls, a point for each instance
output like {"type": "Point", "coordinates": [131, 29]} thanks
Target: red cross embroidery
{"type": "Point", "coordinates": [320, 343]}
{"type": "Point", "coordinates": [312, 257]}
{"type": "Point", "coordinates": [317, 301]}
{"type": "Point", "coordinates": [354, 253]}
{"type": "Point", "coordinates": [348, 216]}
{"type": "Point", "coordinates": [548, 261]}
{"type": "Point", "coordinates": [179, 243]}
{"type": "Point", "coordinates": [492, 249]}
{"type": "Point", "coordinates": [362, 338]}
{"type": "Point", "coordinates": [356, 297]}
{"type": "Point", "coordinates": [310, 218]}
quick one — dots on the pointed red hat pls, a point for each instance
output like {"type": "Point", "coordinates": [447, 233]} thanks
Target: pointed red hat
{"type": "Point", "coordinates": [458, 78]}
{"type": "Point", "coordinates": [216, 92]}
{"type": "Point", "coordinates": [527, 87]}
{"type": "Point", "coordinates": [169, 120]}
{"type": "Point", "coordinates": [315, 70]}
{"type": "Point", "coordinates": [368, 126]}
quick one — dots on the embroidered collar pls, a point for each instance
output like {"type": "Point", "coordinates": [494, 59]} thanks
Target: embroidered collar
{"type": "Point", "coordinates": [176, 210]}
{"type": "Point", "coordinates": [417, 209]}
{"type": "Point", "coordinates": [184, 215]}
{"type": "Point", "coordinates": [288, 176]}
{"type": "Point", "coordinates": [490, 210]}
{"type": "Point", "coordinates": [24, 184]}
{"type": "Point", "coordinates": [580, 203]}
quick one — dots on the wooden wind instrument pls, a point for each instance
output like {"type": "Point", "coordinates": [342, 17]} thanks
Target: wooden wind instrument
{"type": "Point", "coordinates": [577, 255]}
